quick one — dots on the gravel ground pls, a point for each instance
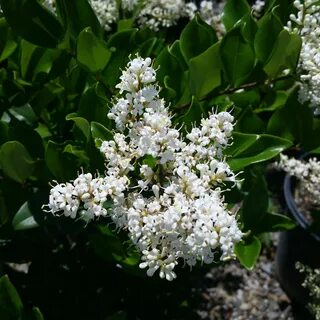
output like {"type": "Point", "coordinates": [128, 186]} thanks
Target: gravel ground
{"type": "Point", "coordinates": [232, 292]}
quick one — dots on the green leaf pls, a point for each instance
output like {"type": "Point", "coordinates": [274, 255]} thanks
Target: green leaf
{"type": "Point", "coordinates": [11, 307]}
{"type": "Point", "coordinates": [273, 222]}
{"type": "Point", "coordinates": [37, 315]}
{"type": "Point", "coordinates": [205, 71]}
{"type": "Point", "coordinates": [150, 161]}
{"type": "Point", "coordinates": [81, 123]}
{"type": "Point", "coordinates": [248, 252]}
{"type": "Point", "coordinates": [125, 24]}
{"type": "Point", "coordinates": [147, 47]}
{"type": "Point", "coordinates": [272, 101]}
{"type": "Point", "coordinates": [255, 204]}
{"type": "Point", "coordinates": [241, 142]}
{"type": "Point", "coordinates": [107, 245]}
{"type": "Point", "coordinates": [293, 121]}
{"type": "Point", "coordinates": [268, 29]}
{"type": "Point", "coordinates": [28, 137]}
{"type": "Point", "coordinates": [173, 78]}
{"type": "Point", "coordinates": [283, 7]}
{"type": "Point", "coordinates": [7, 43]}
{"type": "Point", "coordinates": [196, 29]}
{"type": "Point", "coordinates": [100, 133]}
{"type": "Point", "coordinates": [247, 98]}
{"type": "Point", "coordinates": [27, 51]}
{"type": "Point", "coordinates": [315, 151]}
{"type": "Point", "coordinates": [78, 153]}
{"type": "Point", "coordinates": [92, 107]}
{"type": "Point", "coordinates": [24, 219]}
{"type": "Point", "coordinates": [77, 15]}
{"type": "Point", "coordinates": [4, 214]}
{"type": "Point", "coordinates": [16, 161]}
{"type": "Point", "coordinates": [249, 27]}
{"type": "Point", "coordinates": [62, 166]}
{"type": "Point", "coordinates": [121, 44]}
{"type": "Point", "coordinates": [233, 11]}
{"type": "Point", "coordinates": [36, 61]}
{"type": "Point", "coordinates": [237, 57]}
{"type": "Point", "coordinates": [192, 116]}
{"type": "Point", "coordinates": [249, 122]}
{"type": "Point", "coordinates": [175, 50]}
{"type": "Point", "coordinates": [33, 22]}
{"type": "Point", "coordinates": [92, 53]}
{"type": "Point", "coordinates": [248, 149]}
{"type": "Point", "coordinates": [284, 55]}
{"type": "Point", "coordinates": [4, 132]}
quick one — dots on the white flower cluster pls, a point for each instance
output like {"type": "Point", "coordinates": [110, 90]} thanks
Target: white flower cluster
{"type": "Point", "coordinates": [129, 5]}
{"type": "Point", "coordinates": [308, 174]}
{"type": "Point", "coordinates": [307, 24]}
{"type": "Point", "coordinates": [312, 284]}
{"type": "Point", "coordinates": [258, 7]}
{"type": "Point", "coordinates": [85, 196]}
{"type": "Point", "coordinates": [106, 11]}
{"type": "Point", "coordinates": [156, 14]}
{"type": "Point", "coordinates": [211, 12]}
{"type": "Point", "coordinates": [165, 190]}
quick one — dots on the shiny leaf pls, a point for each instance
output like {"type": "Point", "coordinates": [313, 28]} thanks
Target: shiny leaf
{"type": "Point", "coordinates": [92, 53]}
{"type": "Point", "coordinates": [16, 161]}
{"type": "Point", "coordinates": [248, 252]}
{"type": "Point", "coordinates": [24, 219]}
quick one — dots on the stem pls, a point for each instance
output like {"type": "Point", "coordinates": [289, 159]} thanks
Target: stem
{"type": "Point", "coordinates": [243, 87]}
{"type": "Point", "coordinates": [253, 85]}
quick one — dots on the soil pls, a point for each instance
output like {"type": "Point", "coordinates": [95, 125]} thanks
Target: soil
{"type": "Point", "coordinates": [232, 292]}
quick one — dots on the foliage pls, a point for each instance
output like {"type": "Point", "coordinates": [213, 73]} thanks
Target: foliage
{"type": "Point", "coordinates": [58, 74]}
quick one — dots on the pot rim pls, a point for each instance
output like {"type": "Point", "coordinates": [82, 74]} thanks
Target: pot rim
{"type": "Point", "coordinates": [298, 216]}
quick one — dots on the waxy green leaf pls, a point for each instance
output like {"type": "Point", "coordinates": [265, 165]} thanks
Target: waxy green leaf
{"type": "Point", "coordinates": [33, 22]}
{"type": "Point", "coordinates": [92, 53]}
{"type": "Point", "coordinates": [248, 252]}
{"type": "Point", "coordinates": [16, 161]}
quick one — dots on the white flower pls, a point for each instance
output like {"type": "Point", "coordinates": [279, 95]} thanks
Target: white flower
{"type": "Point", "coordinates": [106, 11]}
{"type": "Point", "coordinates": [50, 4]}
{"type": "Point", "coordinates": [306, 23]}
{"type": "Point", "coordinates": [258, 7]}
{"type": "Point", "coordinates": [129, 5]}
{"type": "Point", "coordinates": [308, 174]}
{"type": "Point", "coordinates": [211, 12]}
{"type": "Point", "coordinates": [85, 192]}
{"type": "Point", "coordinates": [164, 188]}
{"type": "Point", "coordinates": [157, 14]}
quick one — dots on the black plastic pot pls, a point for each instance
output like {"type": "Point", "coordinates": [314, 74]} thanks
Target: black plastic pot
{"type": "Point", "coordinates": [295, 245]}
